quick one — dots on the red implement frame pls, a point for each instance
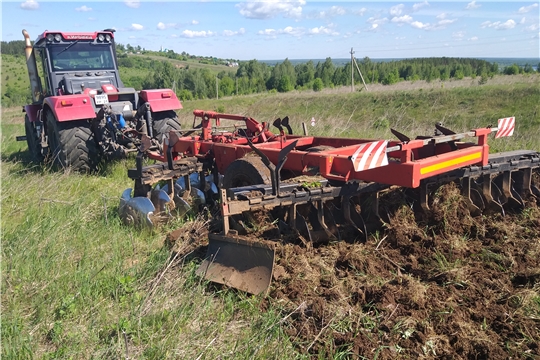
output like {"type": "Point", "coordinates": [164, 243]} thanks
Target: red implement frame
{"type": "Point", "coordinates": [408, 161]}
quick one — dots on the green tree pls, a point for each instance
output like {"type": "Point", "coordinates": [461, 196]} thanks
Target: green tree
{"type": "Point", "coordinates": [318, 84]}
{"type": "Point", "coordinates": [284, 84]}
{"type": "Point", "coordinates": [226, 86]}
{"type": "Point", "coordinates": [325, 72]}
{"type": "Point", "coordinates": [511, 70]}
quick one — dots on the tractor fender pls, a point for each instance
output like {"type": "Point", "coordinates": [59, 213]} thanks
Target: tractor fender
{"type": "Point", "coordinates": [32, 112]}
{"type": "Point", "coordinates": [71, 107]}
{"type": "Point", "coordinates": [160, 100]}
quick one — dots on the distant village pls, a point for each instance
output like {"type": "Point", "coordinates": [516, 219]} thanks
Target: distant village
{"type": "Point", "coordinates": [225, 62]}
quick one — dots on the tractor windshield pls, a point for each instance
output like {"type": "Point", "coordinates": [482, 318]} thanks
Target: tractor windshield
{"type": "Point", "coordinates": [82, 56]}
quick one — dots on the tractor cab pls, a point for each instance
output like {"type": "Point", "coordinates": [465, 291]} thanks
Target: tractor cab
{"type": "Point", "coordinates": [75, 62]}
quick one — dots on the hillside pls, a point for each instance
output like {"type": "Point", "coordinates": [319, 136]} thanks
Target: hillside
{"type": "Point", "coordinates": [76, 283]}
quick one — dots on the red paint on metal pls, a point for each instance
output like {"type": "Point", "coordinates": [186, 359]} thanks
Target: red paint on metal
{"type": "Point", "coordinates": [413, 161]}
{"type": "Point", "coordinates": [32, 111]}
{"type": "Point", "coordinates": [71, 107]}
{"type": "Point", "coordinates": [161, 100]}
{"type": "Point", "coordinates": [506, 127]}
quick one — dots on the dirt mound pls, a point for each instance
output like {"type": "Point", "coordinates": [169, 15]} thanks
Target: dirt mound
{"type": "Point", "coordinates": [442, 284]}
{"type": "Point", "coordinates": [445, 285]}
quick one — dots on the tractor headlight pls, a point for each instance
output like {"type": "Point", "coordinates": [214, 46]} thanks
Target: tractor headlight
{"type": "Point", "coordinates": [57, 37]}
{"type": "Point", "coordinates": [101, 37]}
{"type": "Point", "coordinates": [50, 37]}
{"type": "Point", "coordinates": [108, 38]}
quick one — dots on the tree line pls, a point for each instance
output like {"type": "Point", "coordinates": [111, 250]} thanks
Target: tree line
{"type": "Point", "coordinates": [254, 76]}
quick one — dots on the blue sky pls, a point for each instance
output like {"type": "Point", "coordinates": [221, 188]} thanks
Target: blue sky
{"type": "Point", "coordinates": [294, 29]}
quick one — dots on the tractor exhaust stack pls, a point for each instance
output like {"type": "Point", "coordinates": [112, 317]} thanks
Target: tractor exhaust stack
{"type": "Point", "coordinates": [35, 81]}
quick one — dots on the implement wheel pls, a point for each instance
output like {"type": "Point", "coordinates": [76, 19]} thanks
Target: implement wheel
{"type": "Point", "coordinates": [246, 171]}
{"type": "Point", "coordinates": [33, 141]}
{"type": "Point", "coordinates": [72, 144]}
{"type": "Point", "coordinates": [164, 122]}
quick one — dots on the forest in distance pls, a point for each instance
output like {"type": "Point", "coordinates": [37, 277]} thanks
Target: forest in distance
{"type": "Point", "coordinates": [195, 77]}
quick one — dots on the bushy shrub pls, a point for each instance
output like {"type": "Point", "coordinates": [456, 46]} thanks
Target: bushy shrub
{"type": "Point", "coordinates": [318, 84]}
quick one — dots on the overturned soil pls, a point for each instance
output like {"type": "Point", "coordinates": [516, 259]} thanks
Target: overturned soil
{"type": "Point", "coordinates": [437, 284]}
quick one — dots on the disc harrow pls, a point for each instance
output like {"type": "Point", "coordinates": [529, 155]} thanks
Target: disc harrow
{"type": "Point", "coordinates": [277, 188]}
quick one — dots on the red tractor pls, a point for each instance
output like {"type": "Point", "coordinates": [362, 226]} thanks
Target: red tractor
{"type": "Point", "coordinates": [81, 111]}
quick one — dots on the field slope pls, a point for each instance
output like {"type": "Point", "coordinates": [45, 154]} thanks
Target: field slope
{"type": "Point", "coordinates": [76, 283]}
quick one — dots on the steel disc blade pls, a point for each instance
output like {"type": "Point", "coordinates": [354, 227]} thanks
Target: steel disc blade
{"type": "Point", "coordinates": [160, 199]}
{"type": "Point", "coordinates": [198, 196]}
{"type": "Point", "coordinates": [181, 182]}
{"type": "Point", "coordinates": [136, 211]}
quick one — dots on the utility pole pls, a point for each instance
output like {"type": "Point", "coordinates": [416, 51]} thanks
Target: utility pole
{"type": "Point", "coordinates": [361, 77]}
{"type": "Point", "coordinates": [353, 62]}
{"type": "Point", "coordinates": [352, 70]}
{"type": "Point", "coordinates": [217, 92]}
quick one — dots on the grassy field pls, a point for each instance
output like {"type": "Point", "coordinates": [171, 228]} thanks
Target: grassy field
{"type": "Point", "coordinates": [78, 284]}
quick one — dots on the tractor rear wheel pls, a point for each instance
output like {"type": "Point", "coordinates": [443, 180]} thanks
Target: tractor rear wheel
{"type": "Point", "coordinates": [72, 144]}
{"type": "Point", "coordinates": [164, 122]}
{"type": "Point", "coordinates": [33, 141]}
{"type": "Point", "coordinates": [249, 170]}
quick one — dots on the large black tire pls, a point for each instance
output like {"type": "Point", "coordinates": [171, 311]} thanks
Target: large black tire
{"type": "Point", "coordinates": [246, 171]}
{"type": "Point", "coordinates": [33, 141]}
{"type": "Point", "coordinates": [164, 122]}
{"type": "Point", "coordinates": [72, 144]}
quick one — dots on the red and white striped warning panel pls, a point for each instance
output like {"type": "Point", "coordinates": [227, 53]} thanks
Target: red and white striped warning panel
{"type": "Point", "coordinates": [506, 127]}
{"type": "Point", "coordinates": [370, 155]}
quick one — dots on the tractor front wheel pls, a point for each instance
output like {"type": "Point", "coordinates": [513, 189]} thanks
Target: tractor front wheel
{"type": "Point", "coordinates": [33, 141]}
{"type": "Point", "coordinates": [72, 144]}
{"type": "Point", "coordinates": [164, 122]}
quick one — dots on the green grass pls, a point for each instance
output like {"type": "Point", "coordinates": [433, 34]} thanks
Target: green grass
{"type": "Point", "coordinates": [414, 112]}
{"type": "Point", "coordinates": [78, 284]}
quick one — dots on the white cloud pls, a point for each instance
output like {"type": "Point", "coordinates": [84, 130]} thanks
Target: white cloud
{"type": "Point", "coordinates": [458, 35]}
{"type": "Point", "coordinates": [377, 21]}
{"type": "Point", "coordinates": [525, 9]}
{"type": "Point", "coordinates": [83, 8]}
{"type": "Point", "coordinates": [533, 27]}
{"type": "Point", "coordinates": [444, 22]}
{"type": "Point", "coordinates": [418, 6]}
{"type": "Point", "coordinates": [497, 25]}
{"type": "Point", "coordinates": [419, 25]}
{"type": "Point", "coordinates": [194, 22]}
{"type": "Point", "coordinates": [405, 19]}
{"type": "Point", "coordinates": [136, 27]}
{"type": "Point", "coordinates": [441, 24]}
{"type": "Point", "coordinates": [30, 5]}
{"type": "Point", "coordinates": [134, 4]}
{"type": "Point", "coordinates": [254, 9]}
{"type": "Point", "coordinates": [509, 24]}
{"type": "Point", "coordinates": [196, 34]}
{"type": "Point", "coordinates": [268, 32]}
{"type": "Point", "coordinates": [360, 12]}
{"type": "Point", "coordinates": [233, 33]}
{"type": "Point", "coordinates": [522, 20]}
{"type": "Point", "coordinates": [472, 5]}
{"type": "Point", "coordinates": [474, 38]}
{"type": "Point", "coordinates": [163, 26]}
{"type": "Point", "coordinates": [333, 11]}
{"type": "Point", "coordinates": [289, 30]}
{"type": "Point", "coordinates": [396, 10]}
{"type": "Point", "coordinates": [323, 30]}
